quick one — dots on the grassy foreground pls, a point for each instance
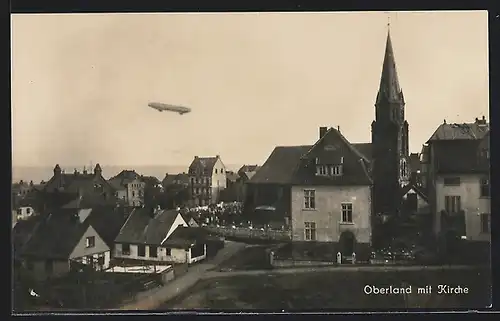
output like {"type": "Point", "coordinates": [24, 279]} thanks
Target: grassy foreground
{"type": "Point", "coordinates": [336, 290]}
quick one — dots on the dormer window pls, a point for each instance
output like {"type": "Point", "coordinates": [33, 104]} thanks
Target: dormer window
{"type": "Point", "coordinates": [336, 170]}
{"type": "Point", "coordinates": [329, 170]}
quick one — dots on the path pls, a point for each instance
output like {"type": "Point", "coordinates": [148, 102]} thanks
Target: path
{"type": "Point", "coordinates": [216, 274]}
{"type": "Point", "coordinates": [195, 273]}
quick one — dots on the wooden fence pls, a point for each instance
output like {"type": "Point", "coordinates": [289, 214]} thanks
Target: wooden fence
{"type": "Point", "coordinates": [253, 234]}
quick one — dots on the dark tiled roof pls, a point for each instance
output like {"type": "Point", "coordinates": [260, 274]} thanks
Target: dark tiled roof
{"type": "Point", "coordinates": [184, 237]}
{"type": "Point", "coordinates": [124, 177]}
{"type": "Point", "coordinates": [355, 168]}
{"type": "Point", "coordinates": [108, 221]}
{"type": "Point", "coordinates": [171, 179]}
{"type": "Point", "coordinates": [365, 149]}
{"type": "Point", "coordinates": [203, 163]}
{"type": "Point", "coordinates": [248, 168]}
{"type": "Point", "coordinates": [142, 228]}
{"type": "Point", "coordinates": [90, 200]}
{"type": "Point", "coordinates": [279, 167]}
{"type": "Point", "coordinates": [232, 176]}
{"type": "Point", "coordinates": [151, 180]}
{"type": "Point", "coordinates": [466, 131]}
{"type": "Point", "coordinates": [460, 156]}
{"type": "Point", "coordinates": [56, 237]}
{"type": "Point", "coordinates": [23, 230]}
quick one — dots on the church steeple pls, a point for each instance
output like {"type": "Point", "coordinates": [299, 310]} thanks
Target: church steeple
{"type": "Point", "coordinates": [389, 89]}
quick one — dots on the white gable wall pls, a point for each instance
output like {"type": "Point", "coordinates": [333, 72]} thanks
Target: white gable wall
{"type": "Point", "coordinates": [178, 221]}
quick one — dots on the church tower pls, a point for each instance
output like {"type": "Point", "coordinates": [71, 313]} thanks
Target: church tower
{"type": "Point", "coordinates": [389, 138]}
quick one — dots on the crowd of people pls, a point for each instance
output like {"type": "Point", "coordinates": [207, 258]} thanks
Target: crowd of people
{"type": "Point", "coordinates": [228, 215]}
{"type": "Point", "coordinates": [222, 214]}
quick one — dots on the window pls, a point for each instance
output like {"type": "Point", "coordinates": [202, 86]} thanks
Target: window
{"type": "Point", "coordinates": [485, 223]}
{"type": "Point", "coordinates": [485, 187]}
{"type": "Point", "coordinates": [19, 211]}
{"type": "Point", "coordinates": [153, 251]}
{"type": "Point", "coordinates": [222, 170]}
{"type": "Point", "coordinates": [90, 242]}
{"type": "Point", "coordinates": [100, 261]}
{"type": "Point", "coordinates": [141, 250]}
{"type": "Point", "coordinates": [216, 171]}
{"type": "Point", "coordinates": [89, 260]}
{"type": "Point", "coordinates": [133, 193]}
{"type": "Point", "coordinates": [452, 204]}
{"type": "Point", "coordinates": [452, 181]}
{"type": "Point", "coordinates": [126, 249]}
{"type": "Point", "coordinates": [28, 210]}
{"type": "Point", "coordinates": [192, 180]}
{"type": "Point", "coordinates": [309, 199]}
{"type": "Point", "coordinates": [49, 266]}
{"type": "Point", "coordinates": [336, 170]}
{"type": "Point", "coordinates": [168, 252]}
{"type": "Point", "coordinates": [310, 231]}
{"type": "Point", "coordinates": [346, 212]}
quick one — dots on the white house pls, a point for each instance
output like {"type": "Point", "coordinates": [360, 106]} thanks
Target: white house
{"type": "Point", "coordinates": [331, 202]}
{"type": "Point", "coordinates": [458, 184]}
{"type": "Point", "coordinates": [62, 241]}
{"type": "Point", "coordinates": [154, 236]}
{"type": "Point", "coordinates": [129, 187]}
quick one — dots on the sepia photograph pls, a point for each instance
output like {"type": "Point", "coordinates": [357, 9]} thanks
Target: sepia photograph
{"type": "Point", "coordinates": [285, 162]}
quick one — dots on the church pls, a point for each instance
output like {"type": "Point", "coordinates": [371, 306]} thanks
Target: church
{"type": "Point", "coordinates": [390, 147]}
{"type": "Point", "coordinates": [330, 192]}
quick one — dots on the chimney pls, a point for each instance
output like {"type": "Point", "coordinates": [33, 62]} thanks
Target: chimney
{"type": "Point", "coordinates": [31, 183]}
{"type": "Point", "coordinates": [484, 118]}
{"type": "Point", "coordinates": [196, 157]}
{"type": "Point", "coordinates": [97, 169]}
{"type": "Point", "coordinates": [57, 170]}
{"type": "Point", "coordinates": [322, 131]}
{"type": "Point", "coordinates": [338, 128]}
{"type": "Point", "coordinates": [84, 170]}
{"type": "Point", "coordinates": [444, 121]}
{"type": "Point", "coordinates": [75, 172]}
{"type": "Point", "coordinates": [477, 120]}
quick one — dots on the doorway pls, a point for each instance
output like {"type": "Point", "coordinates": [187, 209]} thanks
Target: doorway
{"type": "Point", "coordinates": [347, 242]}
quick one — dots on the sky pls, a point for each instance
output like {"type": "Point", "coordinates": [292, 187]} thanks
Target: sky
{"type": "Point", "coordinates": [81, 82]}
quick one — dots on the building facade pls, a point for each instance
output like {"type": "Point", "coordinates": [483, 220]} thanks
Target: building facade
{"type": "Point", "coordinates": [129, 188]}
{"type": "Point", "coordinates": [458, 184]}
{"type": "Point", "coordinates": [207, 177]}
{"type": "Point", "coordinates": [331, 199]}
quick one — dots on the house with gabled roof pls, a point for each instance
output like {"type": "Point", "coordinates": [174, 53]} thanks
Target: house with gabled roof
{"type": "Point", "coordinates": [414, 199]}
{"type": "Point", "coordinates": [152, 236]}
{"type": "Point", "coordinates": [129, 187]}
{"type": "Point", "coordinates": [52, 244]}
{"type": "Point", "coordinates": [208, 179]}
{"type": "Point", "coordinates": [64, 187]}
{"type": "Point", "coordinates": [458, 182]}
{"type": "Point", "coordinates": [331, 198]}
{"type": "Point", "coordinates": [270, 186]}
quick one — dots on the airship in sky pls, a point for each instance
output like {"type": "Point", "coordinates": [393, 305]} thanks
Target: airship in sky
{"type": "Point", "coordinates": [162, 107]}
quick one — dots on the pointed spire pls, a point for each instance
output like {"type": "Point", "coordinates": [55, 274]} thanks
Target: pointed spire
{"type": "Point", "coordinates": [389, 89]}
